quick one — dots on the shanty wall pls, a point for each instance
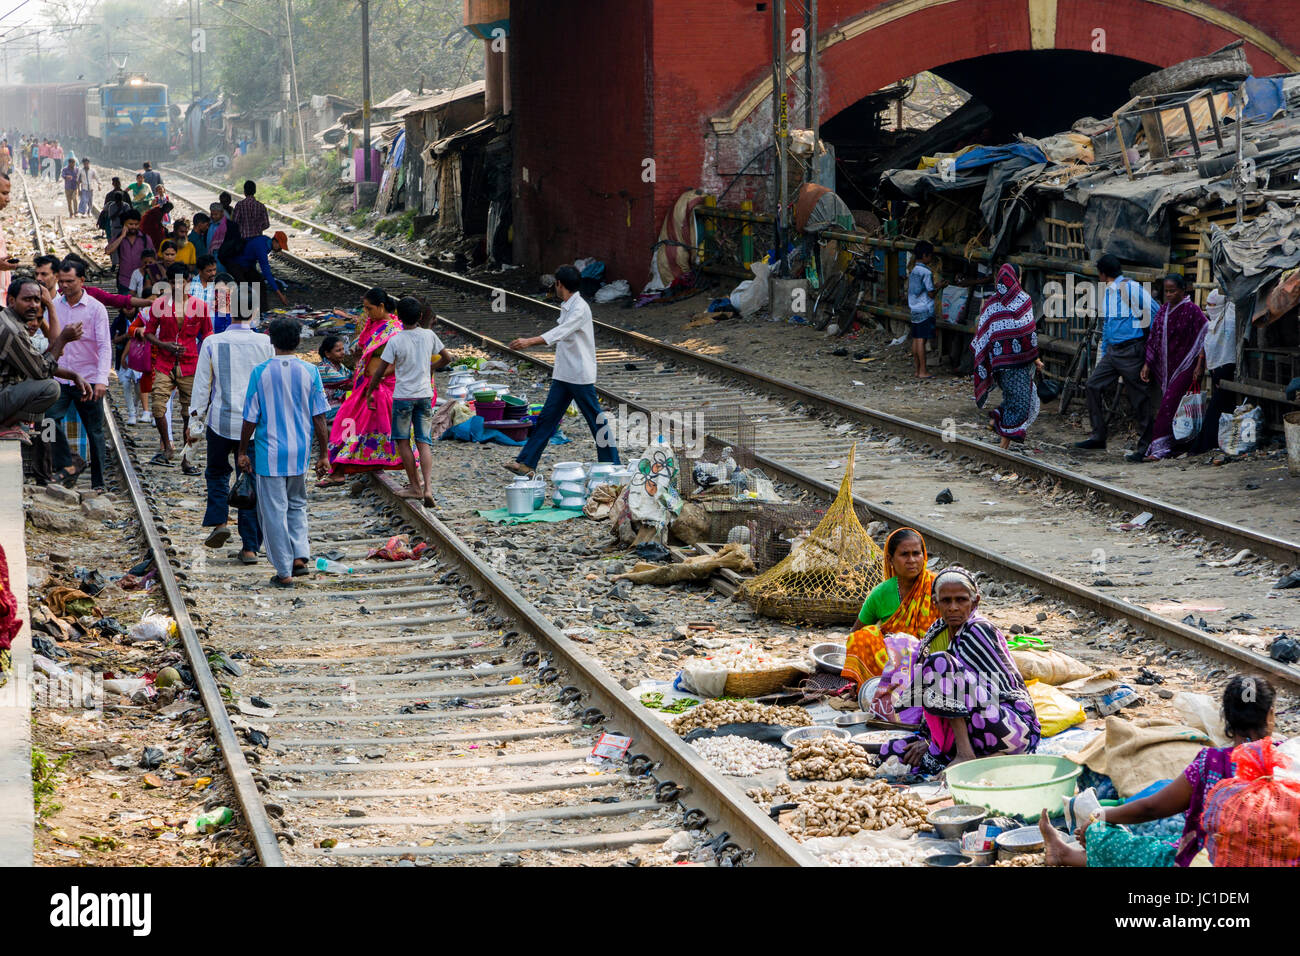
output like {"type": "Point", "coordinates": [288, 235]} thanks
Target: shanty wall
{"type": "Point", "coordinates": [599, 88]}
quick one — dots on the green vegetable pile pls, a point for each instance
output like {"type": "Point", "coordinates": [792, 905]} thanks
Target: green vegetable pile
{"type": "Point", "coordinates": [655, 701]}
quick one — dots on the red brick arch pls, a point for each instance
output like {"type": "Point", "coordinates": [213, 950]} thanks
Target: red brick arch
{"type": "Point", "coordinates": [868, 46]}
{"type": "Point", "coordinates": [599, 88]}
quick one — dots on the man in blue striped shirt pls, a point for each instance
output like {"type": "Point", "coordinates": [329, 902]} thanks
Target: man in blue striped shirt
{"type": "Point", "coordinates": [285, 402]}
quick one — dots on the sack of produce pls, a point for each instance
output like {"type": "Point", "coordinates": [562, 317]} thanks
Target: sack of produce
{"type": "Point", "coordinates": [1251, 817]}
{"type": "Point", "coordinates": [1050, 667]}
{"type": "Point", "coordinates": [1057, 711]}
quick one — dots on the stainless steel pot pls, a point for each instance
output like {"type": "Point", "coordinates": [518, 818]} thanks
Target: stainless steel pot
{"type": "Point", "coordinates": [520, 500]}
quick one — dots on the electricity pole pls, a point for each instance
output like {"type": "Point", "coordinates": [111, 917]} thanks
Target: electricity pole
{"type": "Point", "coordinates": [365, 85]}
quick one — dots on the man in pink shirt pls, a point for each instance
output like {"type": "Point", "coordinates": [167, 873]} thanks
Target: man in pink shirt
{"type": "Point", "coordinates": [91, 357]}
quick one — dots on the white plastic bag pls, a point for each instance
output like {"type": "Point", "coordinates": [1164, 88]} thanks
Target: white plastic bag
{"type": "Point", "coordinates": [752, 294]}
{"type": "Point", "coordinates": [1239, 432]}
{"type": "Point", "coordinates": [152, 627]}
{"type": "Point", "coordinates": [1190, 414]}
{"type": "Point", "coordinates": [613, 290]}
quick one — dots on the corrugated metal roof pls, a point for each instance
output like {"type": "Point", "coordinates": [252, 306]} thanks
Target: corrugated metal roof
{"type": "Point", "coordinates": [442, 98]}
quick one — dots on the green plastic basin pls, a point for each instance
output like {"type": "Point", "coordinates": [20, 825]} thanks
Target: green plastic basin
{"type": "Point", "coordinates": [1018, 785]}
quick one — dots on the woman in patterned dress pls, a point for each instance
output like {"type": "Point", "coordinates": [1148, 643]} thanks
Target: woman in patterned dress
{"type": "Point", "coordinates": [974, 701]}
{"type": "Point", "coordinates": [1006, 353]}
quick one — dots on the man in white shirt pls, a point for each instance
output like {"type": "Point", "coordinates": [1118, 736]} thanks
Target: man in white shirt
{"type": "Point", "coordinates": [226, 362]}
{"type": "Point", "coordinates": [87, 183]}
{"type": "Point", "coordinates": [572, 380]}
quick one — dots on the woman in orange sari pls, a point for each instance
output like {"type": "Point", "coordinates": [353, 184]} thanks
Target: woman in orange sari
{"type": "Point", "coordinates": [901, 604]}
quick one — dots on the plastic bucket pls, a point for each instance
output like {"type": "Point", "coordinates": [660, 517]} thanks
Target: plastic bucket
{"type": "Point", "coordinates": [1291, 426]}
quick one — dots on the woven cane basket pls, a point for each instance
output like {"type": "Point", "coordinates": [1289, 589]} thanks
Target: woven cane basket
{"type": "Point", "coordinates": [758, 683]}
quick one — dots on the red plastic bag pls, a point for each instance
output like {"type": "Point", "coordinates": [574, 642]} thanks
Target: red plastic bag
{"type": "Point", "coordinates": [1253, 818]}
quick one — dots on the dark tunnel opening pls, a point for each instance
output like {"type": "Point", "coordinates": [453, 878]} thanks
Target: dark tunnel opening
{"type": "Point", "coordinates": [1036, 93]}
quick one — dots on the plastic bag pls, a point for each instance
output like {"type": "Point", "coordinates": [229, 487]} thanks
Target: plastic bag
{"type": "Point", "coordinates": [243, 493]}
{"type": "Point", "coordinates": [1190, 414]}
{"type": "Point", "coordinates": [152, 627]}
{"type": "Point", "coordinates": [1239, 432]}
{"type": "Point", "coordinates": [139, 356]}
{"type": "Point", "coordinates": [1250, 818]}
{"type": "Point", "coordinates": [613, 290]}
{"type": "Point", "coordinates": [1056, 710]}
{"type": "Point", "coordinates": [752, 294]}
{"type": "Point", "coordinates": [1202, 712]}
{"type": "Point", "coordinates": [1050, 667]}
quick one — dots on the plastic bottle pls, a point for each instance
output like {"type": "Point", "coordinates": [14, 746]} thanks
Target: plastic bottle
{"type": "Point", "coordinates": [333, 567]}
{"type": "Point", "coordinates": [216, 817]}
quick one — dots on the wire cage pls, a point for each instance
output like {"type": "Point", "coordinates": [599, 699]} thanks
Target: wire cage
{"type": "Point", "coordinates": [709, 435]}
{"type": "Point", "coordinates": [768, 527]}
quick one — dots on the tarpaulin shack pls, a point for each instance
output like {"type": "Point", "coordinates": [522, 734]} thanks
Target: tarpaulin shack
{"type": "Point", "coordinates": [991, 169]}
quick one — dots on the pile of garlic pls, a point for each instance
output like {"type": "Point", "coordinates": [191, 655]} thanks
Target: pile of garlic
{"type": "Point", "coordinates": [715, 713]}
{"type": "Point", "coordinates": [739, 756]}
{"type": "Point", "coordinates": [829, 758]}
{"type": "Point", "coordinates": [745, 658]}
{"type": "Point", "coordinates": [867, 855]}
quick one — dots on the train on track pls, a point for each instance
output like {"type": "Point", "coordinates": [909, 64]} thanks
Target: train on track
{"type": "Point", "coordinates": [125, 120]}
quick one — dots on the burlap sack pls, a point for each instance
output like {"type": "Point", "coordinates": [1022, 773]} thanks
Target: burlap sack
{"type": "Point", "coordinates": [1137, 753]}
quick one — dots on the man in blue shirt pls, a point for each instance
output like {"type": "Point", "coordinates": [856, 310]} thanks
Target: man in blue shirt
{"type": "Point", "coordinates": [285, 403]}
{"type": "Point", "coordinates": [1126, 312]}
{"type": "Point", "coordinates": [257, 252]}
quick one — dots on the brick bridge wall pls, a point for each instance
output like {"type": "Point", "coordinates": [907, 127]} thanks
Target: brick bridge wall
{"type": "Point", "coordinates": [598, 88]}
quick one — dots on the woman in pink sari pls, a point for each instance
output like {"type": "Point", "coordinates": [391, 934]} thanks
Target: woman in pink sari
{"type": "Point", "coordinates": [1175, 358]}
{"type": "Point", "coordinates": [360, 437]}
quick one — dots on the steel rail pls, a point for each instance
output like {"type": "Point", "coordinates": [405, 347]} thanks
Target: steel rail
{"type": "Point", "coordinates": [723, 802]}
{"type": "Point", "coordinates": [972, 555]}
{"type": "Point", "coordinates": [265, 842]}
{"type": "Point", "coordinates": [727, 807]}
{"type": "Point", "coordinates": [1278, 549]}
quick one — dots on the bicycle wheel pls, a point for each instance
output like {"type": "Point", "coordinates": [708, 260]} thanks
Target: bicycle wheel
{"type": "Point", "coordinates": [824, 305]}
{"type": "Point", "coordinates": [1072, 382]}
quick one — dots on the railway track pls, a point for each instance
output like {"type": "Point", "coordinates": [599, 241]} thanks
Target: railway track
{"type": "Point", "coordinates": [419, 712]}
{"type": "Point", "coordinates": [493, 321]}
{"type": "Point", "coordinates": [798, 433]}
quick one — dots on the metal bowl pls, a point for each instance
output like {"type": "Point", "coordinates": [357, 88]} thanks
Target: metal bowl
{"type": "Point", "coordinates": [878, 738]}
{"type": "Point", "coordinates": [951, 822]}
{"type": "Point", "coordinates": [1019, 841]}
{"type": "Point", "coordinates": [853, 723]}
{"type": "Point", "coordinates": [829, 657]}
{"type": "Point", "coordinates": [948, 859]}
{"type": "Point", "coordinates": [866, 692]}
{"type": "Point", "coordinates": [815, 732]}
{"type": "Point", "coordinates": [982, 857]}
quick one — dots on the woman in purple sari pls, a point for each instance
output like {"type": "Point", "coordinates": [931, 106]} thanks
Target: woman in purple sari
{"type": "Point", "coordinates": [1247, 716]}
{"type": "Point", "coordinates": [1175, 358]}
